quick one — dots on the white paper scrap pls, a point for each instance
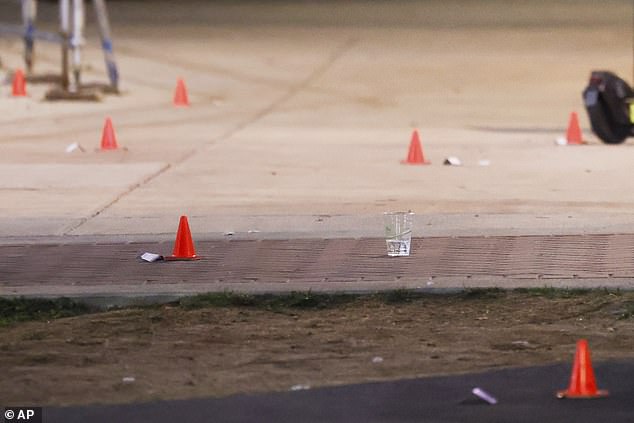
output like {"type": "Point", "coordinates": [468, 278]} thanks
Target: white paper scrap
{"type": "Point", "coordinates": [151, 257]}
{"type": "Point", "coordinates": [74, 146]}
{"type": "Point", "coordinates": [480, 393]}
{"type": "Point", "coordinates": [453, 161]}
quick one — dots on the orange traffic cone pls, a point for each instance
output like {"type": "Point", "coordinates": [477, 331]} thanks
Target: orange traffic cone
{"type": "Point", "coordinates": [19, 84]}
{"type": "Point", "coordinates": [582, 382]}
{"type": "Point", "coordinates": [415, 153]}
{"type": "Point", "coordinates": [573, 134]}
{"type": "Point", "coordinates": [180, 95]}
{"type": "Point", "coordinates": [108, 138]}
{"type": "Point", "coordinates": [183, 246]}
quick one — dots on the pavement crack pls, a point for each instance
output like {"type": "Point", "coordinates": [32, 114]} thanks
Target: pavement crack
{"type": "Point", "coordinates": [303, 84]}
{"type": "Point", "coordinates": [69, 230]}
{"type": "Point", "coordinates": [291, 92]}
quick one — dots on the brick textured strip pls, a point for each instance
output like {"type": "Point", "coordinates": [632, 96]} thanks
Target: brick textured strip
{"type": "Point", "coordinates": [323, 260]}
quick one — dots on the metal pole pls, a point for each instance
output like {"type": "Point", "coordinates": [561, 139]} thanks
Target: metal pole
{"type": "Point", "coordinates": [64, 29]}
{"type": "Point", "coordinates": [106, 43]}
{"type": "Point", "coordinates": [77, 39]}
{"type": "Point", "coordinates": [29, 14]}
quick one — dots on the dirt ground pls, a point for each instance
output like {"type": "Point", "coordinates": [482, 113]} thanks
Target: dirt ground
{"type": "Point", "coordinates": [184, 351]}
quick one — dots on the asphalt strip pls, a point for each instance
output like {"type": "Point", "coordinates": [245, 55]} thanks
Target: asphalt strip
{"type": "Point", "coordinates": [522, 394]}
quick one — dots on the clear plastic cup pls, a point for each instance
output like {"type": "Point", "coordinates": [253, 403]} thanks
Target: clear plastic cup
{"type": "Point", "coordinates": [398, 232]}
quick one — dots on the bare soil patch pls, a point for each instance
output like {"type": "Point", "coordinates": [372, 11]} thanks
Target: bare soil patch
{"type": "Point", "coordinates": [222, 344]}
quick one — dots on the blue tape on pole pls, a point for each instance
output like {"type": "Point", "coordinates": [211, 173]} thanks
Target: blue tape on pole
{"type": "Point", "coordinates": [18, 30]}
{"type": "Point", "coordinates": [113, 74]}
{"type": "Point", "coordinates": [107, 45]}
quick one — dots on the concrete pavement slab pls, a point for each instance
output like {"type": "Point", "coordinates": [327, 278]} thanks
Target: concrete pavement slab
{"type": "Point", "coordinates": [65, 193]}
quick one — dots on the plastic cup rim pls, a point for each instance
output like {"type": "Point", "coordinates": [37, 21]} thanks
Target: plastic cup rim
{"type": "Point", "coordinates": [396, 213]}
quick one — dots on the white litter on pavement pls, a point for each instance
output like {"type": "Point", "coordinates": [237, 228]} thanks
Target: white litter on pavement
{"type": "Point", "coordinates": [151, 257]}
{"type": "Point", "coordinates": [452, 161]}
{"type": "Point", "coordinates": [73, 147]}
{"type": "Point", "coordinates": [480, 393]}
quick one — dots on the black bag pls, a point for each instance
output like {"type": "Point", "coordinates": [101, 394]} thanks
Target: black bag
{"type": "Point", "coordinates": [607, 100]}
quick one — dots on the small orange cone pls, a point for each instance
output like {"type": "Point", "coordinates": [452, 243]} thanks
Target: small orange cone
{"type": "Point", "coordinates": [108, 138]}
{"type": "Point", "coordinates": [183, 246]}
{"type": "Point", "coordinates": [180, 95]}
{"type": "Point", "coordinates": [415, 153]}
{"type": "Point", "coordinates": [19, 84]}
{"type": "Point", "coordinates": [573, 134]}
{"type": "Point", "coordinates": [582, 382]}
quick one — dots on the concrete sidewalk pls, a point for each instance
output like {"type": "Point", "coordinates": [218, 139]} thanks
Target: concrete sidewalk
{"type": "Point", "coordinates": [301, 114]}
